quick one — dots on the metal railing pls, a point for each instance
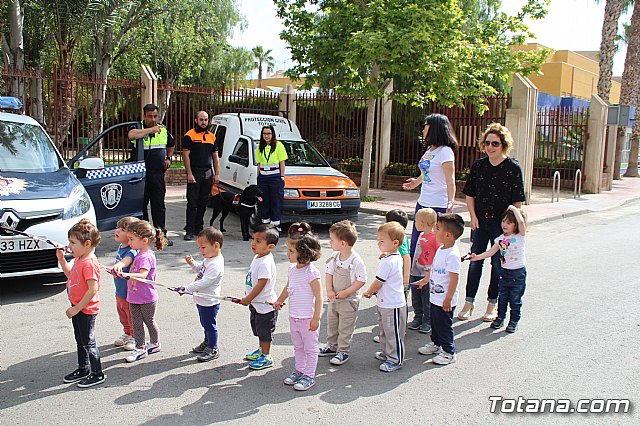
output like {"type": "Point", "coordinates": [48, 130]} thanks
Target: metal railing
{"type": "Point", "coordinates": [577, 184]}
{"type": "Point", "coordinates": [556, 180]}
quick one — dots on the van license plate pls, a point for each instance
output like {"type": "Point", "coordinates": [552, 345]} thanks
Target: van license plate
{"type": "Point", "coordinates": [322, 204]}
{"type": "Point", "coordinates": [20, 244]}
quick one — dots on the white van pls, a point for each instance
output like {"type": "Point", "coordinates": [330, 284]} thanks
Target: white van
{"type": "Point", "coordinates": [313, 190]}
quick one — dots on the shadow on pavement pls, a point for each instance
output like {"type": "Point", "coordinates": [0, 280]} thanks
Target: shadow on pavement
{"type": "Point", "coordinates": [31, 289]}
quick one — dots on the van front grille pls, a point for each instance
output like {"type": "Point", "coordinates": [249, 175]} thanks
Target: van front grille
{"type": "Point", "coordinates": [329, 194]}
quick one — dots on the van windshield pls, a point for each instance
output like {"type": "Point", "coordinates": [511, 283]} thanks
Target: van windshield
{"type": "Point", "coordinates": [26, 148]}
{"type": "Point", "coordinates": [302, 153]}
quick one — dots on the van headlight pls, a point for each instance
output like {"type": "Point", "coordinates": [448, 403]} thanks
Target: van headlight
{"type": "Point", "coordinates": [79, 203]}
{"type": "Point", "coordinates": [291, 193]}
{"type": "Point", "coordinates": [352, 193]}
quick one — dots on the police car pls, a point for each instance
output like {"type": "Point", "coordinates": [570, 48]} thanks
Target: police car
{"type": "Point", "coordinates": [41, 197]}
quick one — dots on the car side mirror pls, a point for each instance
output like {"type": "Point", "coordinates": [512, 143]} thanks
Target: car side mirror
{"type": "Point", "coordinates": [332, 161]}
{"type": "Point", "coordinates": [239, 160]}
{"type": "Point", "coordinates": [91, 163]}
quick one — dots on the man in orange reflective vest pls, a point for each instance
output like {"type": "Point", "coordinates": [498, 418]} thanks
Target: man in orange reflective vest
{"type": "Point", "coordinates": [200, 154]}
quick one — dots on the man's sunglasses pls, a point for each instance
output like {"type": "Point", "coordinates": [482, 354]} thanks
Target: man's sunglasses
{"type": "Point", "coordinates": [492, 143]}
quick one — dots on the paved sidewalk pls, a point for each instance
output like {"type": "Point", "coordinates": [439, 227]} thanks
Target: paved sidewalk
{"type": "Point", "coordinates": [541, 210]}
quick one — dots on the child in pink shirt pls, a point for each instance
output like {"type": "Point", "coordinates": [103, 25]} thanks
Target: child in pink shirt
{"type": "Point", "coordinates": [305, 303]}
{"type": "Point", "coordinates": [83, 285]}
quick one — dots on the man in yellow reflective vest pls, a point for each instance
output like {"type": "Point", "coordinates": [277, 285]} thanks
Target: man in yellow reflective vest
{"type": "Point", "coordinates": [158, 149]}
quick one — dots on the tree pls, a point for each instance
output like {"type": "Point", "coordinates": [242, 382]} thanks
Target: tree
{"type": "Point", "coordinates": [13, 49]}
{"type": "Point", "coordinates": [110, 22]}
{"type": "Point", "coordinates": [633, 38]}
{"type": "Point", "coordinates": [629, 87]}
{"type": "Point", "coordinates": [354, 46]}
{"type": "Point", "coordinates": [262, 57]}
{"type": "Point", "coordinates": [612, 12]}
{"type": "Point", "coordinates": [227, 68]}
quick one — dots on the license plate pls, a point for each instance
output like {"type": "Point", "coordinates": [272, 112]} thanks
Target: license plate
{"type": "Point", "coordinates": [324, 204]}
{"type": "Point", "coordinates": [20, 244]}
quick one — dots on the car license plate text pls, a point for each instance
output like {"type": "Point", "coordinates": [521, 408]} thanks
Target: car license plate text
{"type": "Point", "coordinates": [20, 244]}
{"type": "Point", "coordinates": [322, 204]}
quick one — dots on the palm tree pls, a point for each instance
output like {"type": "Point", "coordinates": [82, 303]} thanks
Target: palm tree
{"type": "Point", "coordinates": [612, 12]}
{"type": "Point", "coordinates": [261, 57]}
{"type": "Point", "coordinates": [633, 45]}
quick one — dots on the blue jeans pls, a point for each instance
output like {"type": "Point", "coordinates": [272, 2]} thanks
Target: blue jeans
{"type": "Point", "coordinates": [84, 328]}
{"type": "Point", "coordinates": [487, 231]}
{"type": "Point", "coordinates": [414, 232]}
{"type": "Point", "coordinates": [208, 316]}
{"type": "Point", "coordinates": [420, 302]}
{"type": "Point", "coordinates": [510, 291]}
{"type": "Point", "coordinates": [442, 328]}
{"type": "Point", "coordinates": [272, 187]}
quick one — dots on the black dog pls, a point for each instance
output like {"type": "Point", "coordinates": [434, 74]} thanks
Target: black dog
{"type": "Point", "coordinates": [244, 204]}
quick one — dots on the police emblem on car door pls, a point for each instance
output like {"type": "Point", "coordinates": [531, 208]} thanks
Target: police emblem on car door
{"type": "Point", "coordinates": [111, 195]}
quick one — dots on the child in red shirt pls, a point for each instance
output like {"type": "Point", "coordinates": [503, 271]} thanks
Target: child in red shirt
{"type": "Point", "coordinates": [83, 284]}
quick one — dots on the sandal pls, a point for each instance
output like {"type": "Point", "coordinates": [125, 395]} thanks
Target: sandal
{"type": "Point", "coordinates": [466, 311]}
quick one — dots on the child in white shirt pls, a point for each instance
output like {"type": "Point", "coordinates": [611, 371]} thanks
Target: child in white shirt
{"type": "Point", "coordinates": [207, 283]}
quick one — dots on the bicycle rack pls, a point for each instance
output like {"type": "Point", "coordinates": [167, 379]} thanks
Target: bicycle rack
{"type": "Point", "coordinates": [577, 184]}
{"type": "Point", "coordinates": [556, 174]}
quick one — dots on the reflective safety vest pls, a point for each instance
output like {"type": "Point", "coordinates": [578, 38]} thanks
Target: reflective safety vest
{"type": "Point", "coordinates": [156, 140]}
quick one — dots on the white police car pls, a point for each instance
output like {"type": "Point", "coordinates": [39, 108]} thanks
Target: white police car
{"type": "Point", "coordinates": [41, 197]}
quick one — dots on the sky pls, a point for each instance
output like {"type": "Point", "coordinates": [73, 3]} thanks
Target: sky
{"type": "Point", "coordinates": [570, 25]}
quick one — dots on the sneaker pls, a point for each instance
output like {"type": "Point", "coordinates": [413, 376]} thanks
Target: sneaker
{"type": "Point", "coordinates": [414, 325]}
{"type": "Point", "coordinates": [76, 376]}
{"type": "Point", "coordinates": [340, 358]}
{"type": "Point", "coordinates": [200, 348]}
{"type": "Point", "coordinates": [425, 328]}
{"type": "Point", "coordinates": [92, 380]}
{"type": "Point", "coordinates": [293, 378]}
{"type": "Point", "coordinates": [429, 349]}
{"type": "Point", "coordinates": [252, 356]}
{"type": "Point", "coordinates": [380, 356]}
{"type": "Point", "coordinates": [497, 323]}
{"type": "Point", "coordinates": [264, 361]}
{"type": "Point", "coordinates": [129, 344]}
{"type": "Point", "coordinates": [169, 243]}
{"type": "Point", "coordinates": [512, 327]}
{"type": "Point", "coordinates": [152, 348]}
{"type": "Point", "coordinates": [376, 338]}
{"type": "Point", "coordinates": [444, 358]}
{"type": "Point", "coordinates": [208, 354]}
{"type": "Point", "coordinates": [188, 236]}
{"type": "Point", "coordinates": [327, 351]}
{"type": "Point", "coordinates": [389, 366]}
{"type": "Point", "coordinates": [136, 355]}
{"type": "Point", "coordinates": [304, 383]}
{"type": "Point", "coordinates": [120, 341]}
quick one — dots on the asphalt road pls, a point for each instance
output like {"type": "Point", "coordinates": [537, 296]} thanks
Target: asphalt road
{"type": "Point", "coordinates": [578, 339]}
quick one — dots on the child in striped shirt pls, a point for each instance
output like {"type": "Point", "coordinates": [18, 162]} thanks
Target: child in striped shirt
{"type": "Point", "coordinates": [305, 303]}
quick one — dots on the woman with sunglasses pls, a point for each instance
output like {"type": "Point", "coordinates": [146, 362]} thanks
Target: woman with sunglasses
{"type": "Point", "coordinates": [437, 170]}
{"type": "Point", "coordinates": [271, 156]}
{"type": "Point", "coordinates": [494, 182]}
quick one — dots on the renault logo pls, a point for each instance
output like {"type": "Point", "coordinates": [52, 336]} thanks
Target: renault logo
{"type": "Point", "coordinates": [9, 220]}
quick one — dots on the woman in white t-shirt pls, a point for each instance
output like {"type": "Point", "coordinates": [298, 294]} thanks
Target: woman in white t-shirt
{"type": "Point", "coordinates": [437, 170]}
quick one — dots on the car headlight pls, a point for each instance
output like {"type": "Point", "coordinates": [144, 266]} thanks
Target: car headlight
{"type": "Point", "coordinates": [79, 205]}
{"type": "Point", "coordinates": [352, 193]}
{"type": "Point", "coordinates": [291, 193]}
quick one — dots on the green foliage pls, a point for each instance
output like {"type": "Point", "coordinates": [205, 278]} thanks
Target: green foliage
{"type": "Point", "coordinates": [402, 169]}
{"type": "Point", "coordinates": [227, 67]}
{"type": "Point", "coordinates": [429, 43]}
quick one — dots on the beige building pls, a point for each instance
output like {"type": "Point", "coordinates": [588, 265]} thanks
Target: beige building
{"type": "Point", "coordinates": [571, 74]}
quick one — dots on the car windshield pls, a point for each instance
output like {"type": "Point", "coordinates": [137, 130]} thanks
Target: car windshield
{"type": "Point", "coordinates": [26, 148]}
{"type": "Point", "coordinates": [302, 153]}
